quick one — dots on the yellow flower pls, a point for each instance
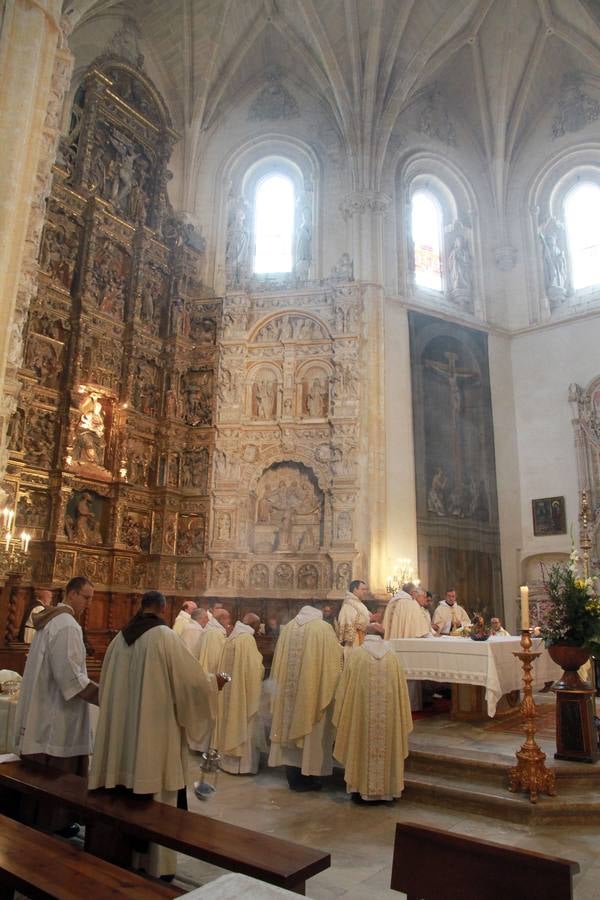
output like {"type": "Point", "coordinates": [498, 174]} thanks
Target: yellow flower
{"type": "Point", "coordinates": [580, 583]}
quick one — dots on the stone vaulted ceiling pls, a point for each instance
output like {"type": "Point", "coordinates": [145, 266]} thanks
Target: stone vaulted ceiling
{"type": "Point", "coordinates": [500, 63]}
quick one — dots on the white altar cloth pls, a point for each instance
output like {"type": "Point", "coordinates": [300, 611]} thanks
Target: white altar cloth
{"type": "Point", "coordinates": [490, 663]}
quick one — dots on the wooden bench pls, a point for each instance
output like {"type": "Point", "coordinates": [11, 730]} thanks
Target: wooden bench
{"type": "Point", "coordinates": [45, 867]}
{"type": "Point", "coordinates": [261, 856]}
{"type": "Point", "coordinates": [429, 864]}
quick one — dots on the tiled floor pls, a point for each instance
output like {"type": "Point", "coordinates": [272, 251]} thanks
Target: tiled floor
{"type": "Point", "coordinates": [360, 838]}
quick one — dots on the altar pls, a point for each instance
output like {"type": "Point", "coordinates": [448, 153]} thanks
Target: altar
{"type": "Point", "coordinates": [489, 664]}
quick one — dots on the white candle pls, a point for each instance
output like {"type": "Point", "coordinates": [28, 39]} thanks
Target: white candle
{"type": "Point", "coordinates": [524, 608]}
{"type": "Point", "coordinates": [8, 537]}
{"type": "Point", "coordinates": [25, 538]}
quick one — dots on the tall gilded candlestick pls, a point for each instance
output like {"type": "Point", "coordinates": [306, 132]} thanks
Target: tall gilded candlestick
{"type": "Point", "coordinates": [530, 773]}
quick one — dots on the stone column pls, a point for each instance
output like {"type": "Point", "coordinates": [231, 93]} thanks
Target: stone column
{"type": "Point", "coordinates": [365, 211]}
{"type": "Point", "coordinates": [35, 68]}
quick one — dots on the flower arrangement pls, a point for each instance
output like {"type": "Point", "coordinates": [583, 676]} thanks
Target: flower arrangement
{"type": "Point", "coordinates": [573, 613]}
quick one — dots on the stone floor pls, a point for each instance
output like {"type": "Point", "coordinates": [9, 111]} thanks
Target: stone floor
{"type": "Point", "coordinates": [360, 838]}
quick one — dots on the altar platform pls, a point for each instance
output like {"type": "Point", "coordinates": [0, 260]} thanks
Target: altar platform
{"type": "Point", "coordinates": [464, 766]}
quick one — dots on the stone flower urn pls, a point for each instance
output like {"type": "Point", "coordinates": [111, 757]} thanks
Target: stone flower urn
{"type": "Point", "coordinates": [570, 659]}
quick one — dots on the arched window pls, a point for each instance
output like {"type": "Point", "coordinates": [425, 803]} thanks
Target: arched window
{"type": "Point", "coordinates": [582, 226]}
{"type": "Point", "coordinates": [426, 228]}
{"type": "Point", "coordinates": [274, 224]}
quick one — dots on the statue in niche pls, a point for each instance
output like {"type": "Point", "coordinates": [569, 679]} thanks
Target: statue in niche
{"type": "Point", "coordinates": [555, 259]}
{"type": "Point", "coordinates": [173, 471]}
{"type": "Point", "coordinates": [16, 430]}
{"type": "Point", "coordinates": [124, 171]}
{"type": "Point", "coordinates": [460, 264]}
{"type": "Point", "coordinates": [82, 518]}
{"type": "Point", "coordinates": [223, 527]}
{"type": "Point", "coordinates": [344, 268]}
{"type": "Point", "coordinates": [39, 437]}
{"type": "Point", "coordinates": [284, 576]}
{"type": "Point", "coordinates": [344, 527]}
{"type": "Point", "coordinates": [44, 359]}
{"type": "Point", "coordinates": [147, 306]}
{"type": "Point", "coordinates": [436, 502]}
{"type": "Point", "coordinates": [259, 576]}
{"type": "Point", "coordinates": [264, 399]}
{"type": "Point", "coordinates": [238, 241]}
{"type": "Point", "coordinates": [90, 441]}
{"type": "Point", "coordinates": [343, 576]}
{"type": "Point", "coordinates": [304, 245]}
{"type": "Point", "coordinates": [58, 254]}
{"type": "Point", "coordinates": [194, 466]}
{"type": "Point", "coordinates": [33, 510]}
{"type": "Point", "coordinates": [222, 571]}
{"type": "Point", "coordinates": [308, 577]}
{"type": "Point", "coordinates": [315, 399]}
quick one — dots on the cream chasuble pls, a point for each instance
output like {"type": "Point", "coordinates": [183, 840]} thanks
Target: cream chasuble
{"type": "Point", "coordinates": [373, 721]}
{"type": "Point", "coordinates": [181, 621]}
{"type": "Point", "coordinates": [151, 694]}
{"type": "Point", "coordinates": [450, 618]}
{"type": "Point", "coordinates": [417, 621]}
{"type": "Point", "coordinates": [210, 646]}
{"type": "Point", "coordinates": [352, 621]}
{"type": "Point", "coordinates": [190, 635]}
{"type": "Point", "coordinates": [240, 732]}
{"type": "Point", "coordinates": [394, 615]}
{"type": "Point", "coordinates": [306, 668]}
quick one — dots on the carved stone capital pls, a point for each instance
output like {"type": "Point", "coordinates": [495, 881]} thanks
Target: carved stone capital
{"type": "Point", "coordinates": [357, 202]}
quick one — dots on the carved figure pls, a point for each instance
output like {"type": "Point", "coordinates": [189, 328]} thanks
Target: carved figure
{"type": "Point", "coordinates": [316, 399]}
{"type": "Point", "coordinates": [81, 522]}
{"type": "Point", "coordinates": [264, 396]}
{"type": "Point", "coordinates": [223, 527]}
{"type": "Point", "coordinates": [460, 265]}
{"type": "Point", "coordinates": [555, 260]}
{"type": "Point", "coordinates": [344, 269]}
{"type": "Point", "coordinates": [343, 576]}
{"type": "Point", "coordinates": [284, 576]}
{"type": "Point", "coordinates": [222, 571]}
{"type": "Point", "coordinates": [259, 576]}
{"type": "Point", "coordinates": [238, 238]}
{"type": "Point", "coordinates": [304, 246]}
{"type": "Point", "coordinates": [90, 442]}
{"type": "Point", "coordinates": [436, 497]}
{"type": "Point", "coordinates": [344, 527]}
{"type": "Point", "coordinates": [308, 577]}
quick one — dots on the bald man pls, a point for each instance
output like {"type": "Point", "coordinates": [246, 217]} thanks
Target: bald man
{"type": "Point", "coordinates": [184, 615]}
{"type": "Point", "coordinates": [240, 732]}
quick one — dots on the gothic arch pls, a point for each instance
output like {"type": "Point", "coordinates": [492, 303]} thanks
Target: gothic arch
{"type": "Point", "coordinates": [289, 313]}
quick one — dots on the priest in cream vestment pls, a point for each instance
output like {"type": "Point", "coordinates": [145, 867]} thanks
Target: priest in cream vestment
{"type": "Point", "coordinates": [450, 616]}
{"type": "Point", "coordinates": [210, 645]}
{"type": "Point", "coordinates": [184, 616]}
{"type": "Point", "coordinates": [414, 622]}
{"type": "Point", "coordinates": [193, 630]}
{"type": "Point", "coordinates": [395, 615]}
{"type": "Point", "coordinates": [152, 692]}
{"type": "Point", "coordinates": [353, 616]}
{"type": "Point", "coordinates": [306, 669]}
{"type": "Point", "coordinates": [240, 730]}
{"type": "Point", "coordinates": [373, 720]}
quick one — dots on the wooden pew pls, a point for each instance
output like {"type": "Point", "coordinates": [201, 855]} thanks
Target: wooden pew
{"type": "Point", "coordinates": [261, 856]}
{"type": "Point", "coordinates": [43, 866]}
{"type": "Point", "coordinates": [429, 864]}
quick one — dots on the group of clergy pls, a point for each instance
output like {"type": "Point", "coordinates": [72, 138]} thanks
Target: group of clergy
{"type": "Point", "coordinates": [333, 693]}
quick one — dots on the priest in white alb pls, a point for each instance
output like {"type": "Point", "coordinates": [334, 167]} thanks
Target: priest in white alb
{"type": "Point", "coordinates": [194, 629]}
{"type": "Point", "coordinates": [353, 616]}
{"type": "Point", "coordinates": [240, 730]}
{"type": "Point", "coordinates": [372, 720]}
{"type": "Point", "coordinates": [152, 692]}
{"type": "Point", "coordinates": [415, 623]}
{"type": "Point", "coordinates": [212, 640]}
{"type": "Point", "coordinates": [306, 668]}
{"type": "Point", "coordinates": [450, 616]}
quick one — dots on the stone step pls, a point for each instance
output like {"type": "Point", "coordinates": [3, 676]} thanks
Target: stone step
{"type": "Point", "coordinates": [468, 790]}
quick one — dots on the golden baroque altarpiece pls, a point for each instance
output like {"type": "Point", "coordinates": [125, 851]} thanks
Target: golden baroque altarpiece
{"type": "Point", "coordinates": [165, 438]}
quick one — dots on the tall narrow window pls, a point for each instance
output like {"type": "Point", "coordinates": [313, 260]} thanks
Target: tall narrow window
{"type": "Point", "coordinates": [426, 222]}
{"type": "Point", "coordinates": [582, 224]}
{"type": "Point", "coordinates": [274, 225]}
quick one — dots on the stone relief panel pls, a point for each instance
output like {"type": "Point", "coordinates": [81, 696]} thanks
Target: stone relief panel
{"type": "Point", "coordinates": [190, 535]}
{"type": "Point", "coordinates": [135, 531]}
{"type": "Point", "coordinates": [85, 517]}
{"type": "Point", "coordinates": [314, 393]}
{"type": "Point", "coordinates": [289, 510]}
{"type": "Point", "coordinates": [109, 278]}
{"type": "Point", "coordinates": [291, 328]}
